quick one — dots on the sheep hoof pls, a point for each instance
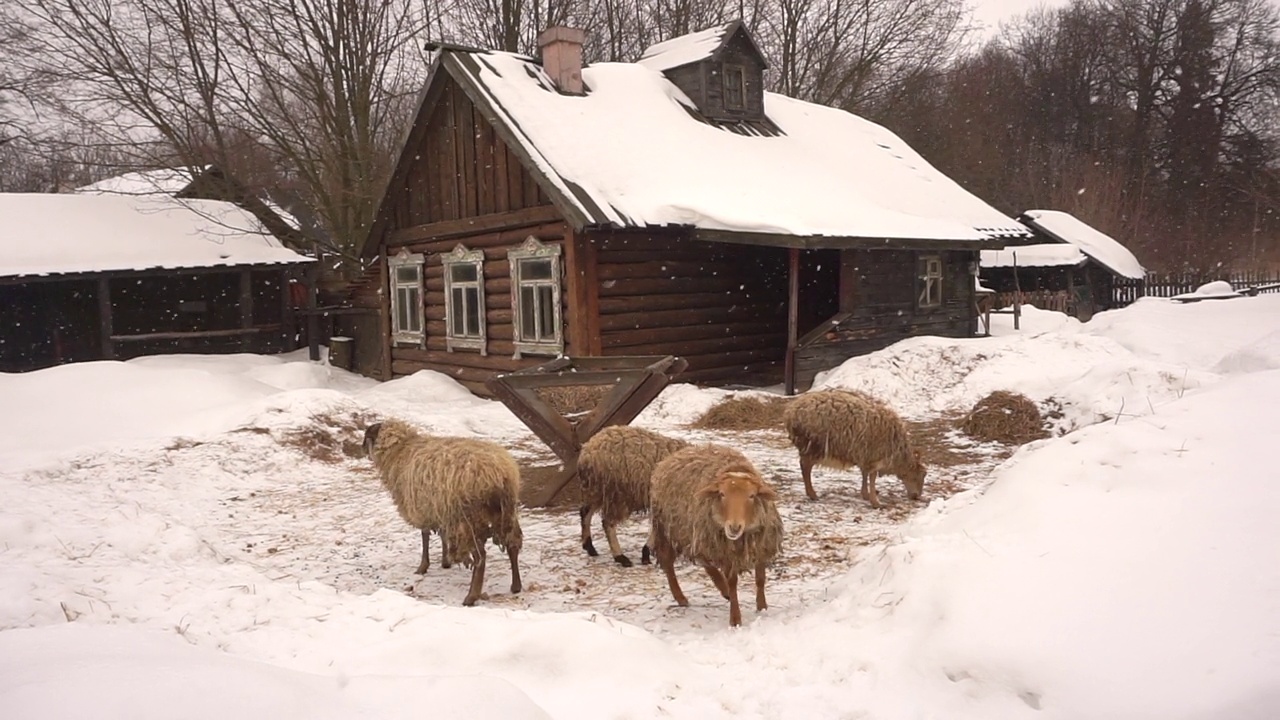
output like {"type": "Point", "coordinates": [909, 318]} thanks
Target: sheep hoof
{"type": "Point", "coordinates": [469, 601]}
{"type": "Point", "coordinates": [516, 588]}
{"type": "Point", "coordinates": [590, 548]}
{"type": "Point", "coordinates": [446, 565]}
{"type": "Point", "coordinates": [644, 556]}
{"type": "Point", "coordinates": [422, 569]}
{"type": "Point", "coordinates": [812, 496]}
{"type": "Point", "coordinates": [622, 560]}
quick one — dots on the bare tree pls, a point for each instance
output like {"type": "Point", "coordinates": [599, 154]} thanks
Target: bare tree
{"type": "Point", "coordinates": [314, 90]}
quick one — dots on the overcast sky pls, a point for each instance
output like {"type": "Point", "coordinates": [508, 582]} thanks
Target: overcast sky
{"type": "Point", "coordinates": [991, 12]}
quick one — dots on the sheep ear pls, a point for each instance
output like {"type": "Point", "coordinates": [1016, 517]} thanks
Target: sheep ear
{"type": "Point", "coordinates": [709, 490]}
{"type": "Point", "coordinates": [766, 492]}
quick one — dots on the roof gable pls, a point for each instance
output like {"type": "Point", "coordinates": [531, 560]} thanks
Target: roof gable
{"type": "Point", "coordinates": [698, 46]}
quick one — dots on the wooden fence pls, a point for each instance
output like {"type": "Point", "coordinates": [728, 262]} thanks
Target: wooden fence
{"type": "Point", "coordinates": [1124, 292]}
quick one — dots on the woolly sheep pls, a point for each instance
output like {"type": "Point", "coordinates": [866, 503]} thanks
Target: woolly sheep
{"type": "Point", "coordinates": [615, 466]}
{"type": "Point", "coordinates": [708, 504]}
{"type": "Point", "coordinates": [466, 490]}
{"type": "Point", "coordinates": [843, 429]}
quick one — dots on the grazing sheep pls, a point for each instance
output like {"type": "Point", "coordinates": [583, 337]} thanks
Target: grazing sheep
{"type": "Point", "coordinates": [843, 429]}
{"type": "Point", "coordinates": [614, 467]}
{"type": "Point", "coordinates": [709, 505]}
{"type": "Point", "coordinates": [466, 490]}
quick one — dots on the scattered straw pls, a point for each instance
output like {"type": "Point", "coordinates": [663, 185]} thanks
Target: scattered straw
{"type": "Point", "coordinates": [573, 399]}
{"type": "Point", "coordinates": [1006, 417]}
{"type": "Point", "coordinates": [744, 412]}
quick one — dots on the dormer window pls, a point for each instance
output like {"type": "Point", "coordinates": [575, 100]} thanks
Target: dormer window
{"type": "Point", "coordinates": [735, 87]}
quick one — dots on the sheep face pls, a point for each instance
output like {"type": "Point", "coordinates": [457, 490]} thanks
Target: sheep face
{"type": "Point", "coordinates": [735, 499]}
{"type": "Point", "coordinates": [371, 438]}
{"type": "Point", "coordinates": [913, 479]}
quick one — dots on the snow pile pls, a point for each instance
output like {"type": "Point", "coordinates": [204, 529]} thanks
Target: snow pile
{"type": "Point", "coordinates": [78, 670]}
{"type": "Point", "coordinates": [1103, 248]}
{"type": "Point", "coordinates": [1216, 290]}
{"type": "Point", "coordinates": [1194, 335]}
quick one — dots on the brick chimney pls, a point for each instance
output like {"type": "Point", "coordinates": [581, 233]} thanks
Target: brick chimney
{"type": "Point", "coordinates": [562, 57]}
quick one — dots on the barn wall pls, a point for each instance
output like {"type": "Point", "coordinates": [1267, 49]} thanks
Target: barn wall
{"type": "Point", "coordinates": [882, 303]}
{"type": "Point", "coordinates": [721, 307]}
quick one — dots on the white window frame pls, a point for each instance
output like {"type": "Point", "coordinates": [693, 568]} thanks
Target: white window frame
{"type": "Point", "coordinates": [930, 282]}
{"type": "Point", "coordinates": [533, 249]}
{"type": "Point", "coordinates": [460, 255]}
{"type": "Point", "coordinates": [414, 290]}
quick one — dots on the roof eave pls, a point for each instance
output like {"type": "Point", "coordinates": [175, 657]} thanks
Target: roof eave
{"type": "Point", "coordinates": [831, 242]}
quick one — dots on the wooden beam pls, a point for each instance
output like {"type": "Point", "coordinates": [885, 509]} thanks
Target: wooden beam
{"type": "Point", "coordinates": [575, 295]}
{"type": "Point", "coordinates": [825, 242]}
{"type": "Point", "coordinates": [104, 318]}
{"type": "Point", "coordinates": [313, 319]}
{"type": "Point", "coordinates": [288, 323]}
{"type": "Point", "coordinates": [513, 219]}
{"type": "Point", "coordinates": [793, 320]}
{"type": "Point", "coordinates": [384, 315]}
{"type": "Point", "coordinates": [246, 308]}
{"type": "Point", "coordinates": [230, 332]}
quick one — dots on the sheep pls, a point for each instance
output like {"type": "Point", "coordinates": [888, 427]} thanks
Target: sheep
{"type": "Point", "coordinates": [708, 504]}
{"type": "Point", "coordinates": [843, 429]}
{"type": "Point", "coordinates": [614, 467]}
{"type": "Point", "coordinates": [466, 490]}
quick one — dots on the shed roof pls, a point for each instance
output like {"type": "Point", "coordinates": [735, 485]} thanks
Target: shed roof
{"type": "Point", "coordinates": [1043, 255]}
{"type": "Point", "coordinates": [630, 154]}
{"type": "Point", "coordinates": [1105, 250]}
{"type": "Point", "coordinates": [54, 234]}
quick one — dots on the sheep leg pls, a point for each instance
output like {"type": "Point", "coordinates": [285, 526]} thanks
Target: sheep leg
{"type": "Point", "coordinates": [477, 579]}
{"type": "Point", "coordinates": [735, 611]}
{"type": "Point", "coordinates": [718, 578]}
{"type": "Point", "coordinates": [585, 514]}
{"type": "Point", "coordinates": [611, 534]}
{"type": "Point", "coordinates": [869, 488]}
{"type": "Point", "coordinates": [666, 556]}
{"type": "Point", "coordinates": [426, 553]}
{"type": "Point", "coordinates": [806, 471]}
{"type": "Point", "coordinates": [445, 562]}
{"type": "Point", "coordinates": [513, 553]}
{"type": "Point", "coordinates": [760, 602]}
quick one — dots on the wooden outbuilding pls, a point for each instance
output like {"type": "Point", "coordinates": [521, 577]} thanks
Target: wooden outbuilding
{"type": "Point", "coordinates": [100, 277]}
{"type": "Point", "coordinates": [669, 206]}
{"type": "Point", "coordinates": [1071, 268]}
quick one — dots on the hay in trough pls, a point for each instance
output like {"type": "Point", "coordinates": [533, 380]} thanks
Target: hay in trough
{"type": "Point", "coordinates": [1006, 417]}
{"type": "Point", "coordinates": [573, 399]}
{"type": "Point", "coordinates": [744, 412]}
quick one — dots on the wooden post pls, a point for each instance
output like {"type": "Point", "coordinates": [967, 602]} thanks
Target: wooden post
{"type": "Point", "coordinates": [793, 321]}
{"type": "Point", "coordinates": [287, 328]}
{"type": "Point", "coordinates": [246, 308]}
{"type": "Point", "coordinates": [1017, 295]}
{"type": "Point", "coordinates": [104, 318]}
{"type": "Point", "coordinates": [313, 319]}
{"type": "Point", "coordinates": [384, 314]}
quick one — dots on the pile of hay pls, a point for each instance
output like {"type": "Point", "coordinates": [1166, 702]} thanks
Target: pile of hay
{"type": "Point", "coordinates": [1006, 417]}
{"type": "Point", "coordinates": [744, 412]}
{"type": "Point", "coordinates": [573, 399]}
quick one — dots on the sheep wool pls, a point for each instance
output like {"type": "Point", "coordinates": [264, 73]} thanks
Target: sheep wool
{"type": "Point", "coordinates": [842, 429]}
{"type": "Point", "coordinates": [615, 466]}
{"type": "Point", "coordinates": [467, 490]}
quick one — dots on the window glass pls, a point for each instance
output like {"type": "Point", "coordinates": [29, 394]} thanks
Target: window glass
{"type": "Point", "coordinates": [463, 272]}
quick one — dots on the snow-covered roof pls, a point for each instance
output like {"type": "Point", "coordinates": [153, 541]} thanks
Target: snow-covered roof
{"type": "Point", "coordinates": [166, 181]}
{"type": "Point", "coordinates": [51, 234]}
{"type": "Point", "coordinates": [686, 49]}
{"type": "Point", "coordinates": [1105, 250]}
{"type": "Point", "coordinates": [630, 154]}
{"type": "Point", "coordinates": [1044, 255]}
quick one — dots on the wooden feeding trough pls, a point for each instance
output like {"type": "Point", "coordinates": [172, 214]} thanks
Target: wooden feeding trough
{"type": "Point", "coordinates": [635, 382]}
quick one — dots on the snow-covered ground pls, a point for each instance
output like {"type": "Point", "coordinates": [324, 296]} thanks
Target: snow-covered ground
{"type": "Point", "coordinates": [196, 536]}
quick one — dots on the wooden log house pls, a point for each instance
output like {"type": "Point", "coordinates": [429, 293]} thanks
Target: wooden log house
{"type": "Point", "coordinates": [664, 207]}
{"type": "Point", "coordinates": [101, 277]}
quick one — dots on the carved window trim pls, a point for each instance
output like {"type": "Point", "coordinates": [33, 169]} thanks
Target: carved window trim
{"type": "Point", "coordinates": [734, 77]}
{"type": "Point", "coordinates": [930, 282]}
{"type": "Point", "coordinates": [470, 293]}
{"type": "Point", "coordinates": [406, 293]}
{"type": "Point", "coordinates": [541, 291]}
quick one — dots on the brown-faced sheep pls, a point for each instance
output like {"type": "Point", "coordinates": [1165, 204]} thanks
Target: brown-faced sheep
{"type": "Point", "coordinates": [843, 429]}
{"type": "Point", "coordinates": [615, 466]}
{"type": "Point", "coordinates": [709, 505]}
{"type": "Point", "coordinates": [467, 490]}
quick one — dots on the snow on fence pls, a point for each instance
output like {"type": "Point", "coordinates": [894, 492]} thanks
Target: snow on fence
{"type": "Point", "coordinates": [1125, 292]}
